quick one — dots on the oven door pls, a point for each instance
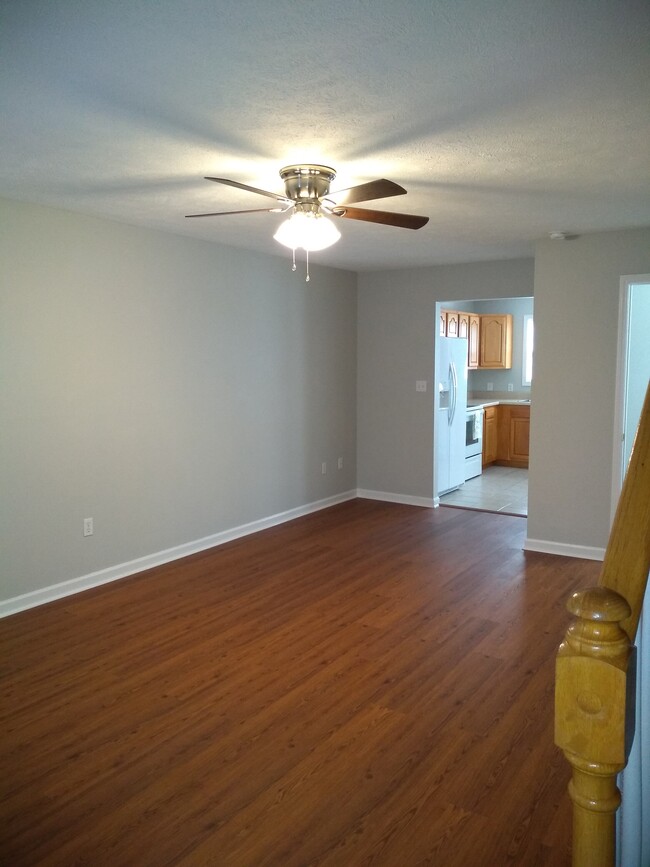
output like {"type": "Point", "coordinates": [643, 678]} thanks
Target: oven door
{"type": "Point", "coordinates": [474, 433]}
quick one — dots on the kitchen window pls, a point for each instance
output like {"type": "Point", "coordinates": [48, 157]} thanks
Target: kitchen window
{"type": "Point", "coordinates": [529, 339]}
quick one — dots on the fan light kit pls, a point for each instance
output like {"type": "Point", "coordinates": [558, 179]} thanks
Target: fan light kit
{"type": "Point", "coordinates": [307, 195]}
{"type": "Point", "coordinates": [307, 230]}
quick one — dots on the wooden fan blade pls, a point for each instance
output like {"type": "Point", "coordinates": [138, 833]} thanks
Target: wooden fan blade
{"type": "Point", "coordinates": [248, 211]}
{"type": "Point", "coordinates": [250, 189]}
{"type": "Point", "coordinates": [380, 189]}
{"type": "Point", "coordinates": [388, 218]}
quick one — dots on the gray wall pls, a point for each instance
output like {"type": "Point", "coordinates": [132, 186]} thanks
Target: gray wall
{"type": "Point", "coordinates": [172, 389]}
{"type": "Point", "coordinates": [169, 388]}
{"type": "Point", "coordinates": [397, 325]}
{"type": "Point", "coordinates": [577, 288]}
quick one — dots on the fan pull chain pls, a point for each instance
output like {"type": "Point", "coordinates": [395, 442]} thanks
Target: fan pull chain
{"type": "Point", "coordinates": [307, 277]}
{"type": "Point", "coordinates": [293, 267]}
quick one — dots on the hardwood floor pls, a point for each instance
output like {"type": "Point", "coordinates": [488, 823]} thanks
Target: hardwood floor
{"type": "Point", "coordinates": [371, 684]}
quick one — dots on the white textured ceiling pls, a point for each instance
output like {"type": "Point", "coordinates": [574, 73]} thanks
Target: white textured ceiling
{"type": "Point", "coordinates": [504, 119]}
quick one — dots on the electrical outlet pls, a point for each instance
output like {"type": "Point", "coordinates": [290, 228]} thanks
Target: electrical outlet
{"type": "Point", "coordinates": [511, 387]}
{"type": "Point", "coordinates": [420, 385]}
{"type": "Point", "coordinates": [490, 386]}
{"type": "Point", "coordinates": [88, 527]}
{"type": "Point", "coordinates": [323, 468]}
{"type": "Point", "coordinates": [340, 463]}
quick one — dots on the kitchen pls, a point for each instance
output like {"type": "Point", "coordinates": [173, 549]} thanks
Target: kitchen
{"type": "Point", "coordinates": [484, 352]}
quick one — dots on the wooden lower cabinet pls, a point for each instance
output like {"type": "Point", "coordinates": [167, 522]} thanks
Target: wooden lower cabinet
{"type": "Point", "coordinates": [513, 423]}
{"type": "Point", "coordinates": [489, 435]}
{"type": "Point", "coordinates": [519, 433]}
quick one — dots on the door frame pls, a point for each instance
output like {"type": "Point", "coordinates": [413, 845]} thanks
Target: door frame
{"type": "Point", "coordinates": [630, 838]}
{"type": "Point", "coordinates": [622, 348]}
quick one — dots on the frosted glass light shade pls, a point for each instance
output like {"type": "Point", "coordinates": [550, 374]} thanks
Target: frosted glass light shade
{"type": "Point", "coordinates": [307, 230]}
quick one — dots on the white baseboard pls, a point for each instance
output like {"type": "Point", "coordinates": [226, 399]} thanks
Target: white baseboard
{"type": "Point", "coordinates": [404, 499]}
{"type": "Point", "coordinates": [132, 567]}
{"type": "Point", "coordinates": [563, 549]}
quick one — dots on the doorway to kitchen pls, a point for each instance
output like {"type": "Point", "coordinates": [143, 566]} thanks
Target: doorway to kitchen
{"type": "Point", "coordinates": [498, 336]}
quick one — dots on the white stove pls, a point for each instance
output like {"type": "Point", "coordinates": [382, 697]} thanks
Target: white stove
{"type": "Point", "coordinates": [474, 443]}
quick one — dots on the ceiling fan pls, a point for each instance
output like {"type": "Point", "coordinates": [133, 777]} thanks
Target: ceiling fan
{"type": "Point", "coordinates": [307, 196]}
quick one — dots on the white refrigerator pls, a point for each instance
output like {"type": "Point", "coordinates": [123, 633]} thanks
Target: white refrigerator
{"type": "Point", "coordinates": [451, 410]}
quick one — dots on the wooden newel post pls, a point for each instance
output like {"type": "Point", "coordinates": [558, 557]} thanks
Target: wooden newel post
{"type": "Point", "coordinates": [590, 714]}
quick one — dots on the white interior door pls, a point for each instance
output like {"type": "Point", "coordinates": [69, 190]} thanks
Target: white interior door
{"type": "Point", "coordinates": [633, 832]}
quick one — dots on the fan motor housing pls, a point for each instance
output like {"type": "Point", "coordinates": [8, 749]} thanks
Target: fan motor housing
{"type": "Point", "coordinates": [307, 183]}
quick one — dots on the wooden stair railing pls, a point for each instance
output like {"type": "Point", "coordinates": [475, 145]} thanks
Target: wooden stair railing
{"type": "Point", "coordinates": [595, 678]}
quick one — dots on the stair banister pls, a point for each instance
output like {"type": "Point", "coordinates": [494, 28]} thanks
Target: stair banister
{"type": "Point", "coordinates": [594, 682]}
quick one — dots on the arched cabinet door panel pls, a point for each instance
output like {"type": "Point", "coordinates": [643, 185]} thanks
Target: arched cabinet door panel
{"type": "Point", "coordinates": [496, 341]}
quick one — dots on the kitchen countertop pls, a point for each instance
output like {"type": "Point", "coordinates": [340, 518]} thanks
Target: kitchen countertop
{"type": "Point", "coordinates": [481, 404]}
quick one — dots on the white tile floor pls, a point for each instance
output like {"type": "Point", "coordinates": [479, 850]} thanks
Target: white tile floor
{"type": "Point", "coordinates": [497, 489]}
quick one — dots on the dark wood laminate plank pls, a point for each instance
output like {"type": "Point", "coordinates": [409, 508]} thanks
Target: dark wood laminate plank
{"type": "Point", "coordinates": [368, 684]}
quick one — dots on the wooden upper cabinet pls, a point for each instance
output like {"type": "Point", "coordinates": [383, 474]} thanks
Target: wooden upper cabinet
{"type": "Point", "coordinates": [458, 323]}
{"type": "Point", "coordinates": [452, 323]}
{"type": "Point", "coordinates": [489, 337]}
{"type": "Point", "coordinates": [496, 341]}
{"type": "Point", "coordinates": [473, 336]}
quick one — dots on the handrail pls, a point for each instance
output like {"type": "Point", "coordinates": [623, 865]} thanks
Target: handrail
{"type": "Point", "coordinates": [594, 678]}
{"type": "Point", "coordinates": [627, 558]}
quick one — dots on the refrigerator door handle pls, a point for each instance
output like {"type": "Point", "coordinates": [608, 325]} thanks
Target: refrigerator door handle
{"type": "Point", "coordinates": [454, 392]}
